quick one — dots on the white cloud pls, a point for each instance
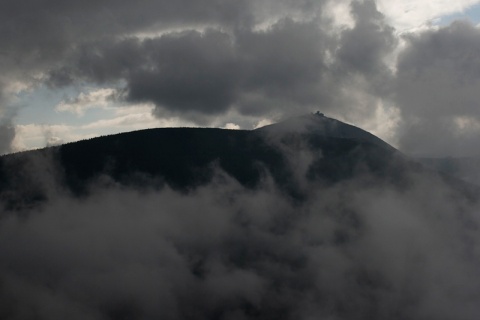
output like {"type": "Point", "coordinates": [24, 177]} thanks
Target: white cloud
{"type": "Point", "coordinates": [384, 124]}
{"type": "Point", "coordinates": [99, 98]}
{"type": "Point", "coordinates": [30, 136]}
{"type": "Point", "coordinates": [128, 118]}
{"type": "Point", "coordinates": [338, 12]}
{"type": "Point", "coordinates": [135, 117]}
{"type": "Point", "coordinates": [263, 123]}
{"type": "Point", "coordinates": [232, 126]}
{"type": "Point", "coordinates": [411, 15]}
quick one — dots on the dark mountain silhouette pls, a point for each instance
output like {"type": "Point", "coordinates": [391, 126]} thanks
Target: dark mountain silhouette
{"type": "Point", "coordinates": [307, 218]}
{"type": "Point", "coordinates": [322, 150]}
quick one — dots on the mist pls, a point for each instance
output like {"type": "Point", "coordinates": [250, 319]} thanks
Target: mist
{"type": "Point", "coordinates": [350, 250]}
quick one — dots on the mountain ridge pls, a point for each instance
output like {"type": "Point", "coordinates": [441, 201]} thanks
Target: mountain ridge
{"type": "Point", "coordinates": [310, 148]}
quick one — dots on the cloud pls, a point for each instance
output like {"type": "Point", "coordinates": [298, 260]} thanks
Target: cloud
{"type": "Point", "coordinates": [209, 72]}
{"type": "Point", "coordinates": [41, 38]}
{"type": "Point", "coordinates": [351, 250]}
{"type": "Point", "coordinates": [289, 66]}
{"type": "Point", "coordinates": [7, 134]}
{"type": "Point", "coordinates": [436, 91]}
{"type": "Point", "coordinates": [84, 101]}
{"type": "Point", "coordinates": [123, 119]}
{"type": "Point", "coordinates": [187, 72]}
{"type": "Point", "coordinates": [411, 15]}
{"type": "Point", "coordinates": [7, 128]}
{"type": "Point", "coordinates": [232, 126]}
{"type": "Point", "coordinates": [364, 47]}
{"type": "Point", "coordinates": [204, 61]}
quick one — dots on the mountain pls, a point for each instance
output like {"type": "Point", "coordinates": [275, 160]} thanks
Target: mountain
{"type": "Point", "coordinates": [319, 124]}
{"type": "Point", "coordinates": [309, 218]}
{"type": "Point", "coordinates": [321, 150]}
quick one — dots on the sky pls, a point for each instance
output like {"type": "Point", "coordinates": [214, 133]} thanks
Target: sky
{"type": "Point", "coordinates": [406, 71]}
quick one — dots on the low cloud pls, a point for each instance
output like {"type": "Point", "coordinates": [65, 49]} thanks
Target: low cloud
{"type": "Point", "coordinates": [350, 250]}
{"type": "Point", "coordinates": [7, 134]}
{"type": "Point", "coordinates": [436, 91]}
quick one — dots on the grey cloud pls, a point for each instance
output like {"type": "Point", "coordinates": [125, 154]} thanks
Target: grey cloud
{"type": "Point", "coordinates": [282, 69]}
{"type": "Point", "coordinates": [38, 31]}
{"type": "Point", "coordinates": [100, 61]}
{"type": "Point", "coordinates": [209, 72]}
{"type": "Point", "coordinates": [358, 74]}
{"type": "Point", "coordinates": [70, 22]}
{"type": "Point", "coordinates": [437, 88]}
{"type": "Point", "coordinates": [300, 66]}
{"type": "Point", "coordinates": [7, 134]}
{"type": "Point", "coordinates": [364, 47]}
{"type": "Point", "coordinates": [290, 67]}
{"type": "Point", "coordinates": [284, 65]}
{"type": "Point", "coordinates": [187, 72]}
{"type": "Point", "coordinates": [7, 129]}
{"type": "Point", "coordinates": [361, 68]}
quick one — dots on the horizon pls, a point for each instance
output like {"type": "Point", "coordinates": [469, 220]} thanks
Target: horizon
{"type": "Point", "coordinates": [228, 127]}
{"type": "Point", "coordinates": [266, 124]}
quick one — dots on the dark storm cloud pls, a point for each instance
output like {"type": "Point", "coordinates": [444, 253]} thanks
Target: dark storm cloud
{"type": "Point", "coordinates": [209, 72]}
{"type": "Point", "coordinates": [182, 72]}
{"type": "Point", "coordinates": [437, 91]}
{"type": "Point", "coordinates": [363, 48]}
{"type": "Point", "coordinates": [290, 66]}
{"type": "Point", "coordinates": [39, 35]}
{"type": "Point", "coordinates": [67, 22]}
{"type": "Point", "coordinates": [37, 31]}
{"type": "Point", "coordinates": [284, 67]}
{"type": "Point", "coordinates": [44, 37]}
{"type": "Point", "coordinates": [187, 72]}
{"type": "Point", "coordinates": [350, 251]}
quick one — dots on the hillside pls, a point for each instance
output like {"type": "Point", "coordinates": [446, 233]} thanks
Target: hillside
{"type": "Point", "coordinates": [323, 151]}
{"type": "Point", "coordinates": [184, 158]}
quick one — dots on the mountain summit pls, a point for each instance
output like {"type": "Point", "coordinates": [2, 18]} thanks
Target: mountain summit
{"type": "Point", "coordinates": [318, 124]}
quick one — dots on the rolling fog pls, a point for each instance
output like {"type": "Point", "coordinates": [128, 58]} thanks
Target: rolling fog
{"type": "Point", "coordinates": [354, 250]}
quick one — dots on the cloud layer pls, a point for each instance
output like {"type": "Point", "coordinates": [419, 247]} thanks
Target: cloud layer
{"type": "Point", "coordinates": [202, 61]}
{"type": "Point", "coordinates": [354, 250]}
{"type": "Point", "coordinates": [437, 81]}
{"type": "Point", "coordinates": [289, 66]}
